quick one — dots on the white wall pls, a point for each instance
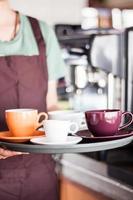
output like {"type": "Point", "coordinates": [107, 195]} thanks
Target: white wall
{"type": "Point", "coordinates": [52, 11]}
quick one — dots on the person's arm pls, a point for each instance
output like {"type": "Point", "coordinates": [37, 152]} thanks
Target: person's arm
{"type": "Point", "coordinates": [52, 99]}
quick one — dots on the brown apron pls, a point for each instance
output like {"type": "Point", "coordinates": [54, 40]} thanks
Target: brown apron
{"type": "Point", "coordinates": [23, 84]}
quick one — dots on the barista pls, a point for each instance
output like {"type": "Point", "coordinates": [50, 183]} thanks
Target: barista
{"type": "Point", "coordinates": [30, 64]}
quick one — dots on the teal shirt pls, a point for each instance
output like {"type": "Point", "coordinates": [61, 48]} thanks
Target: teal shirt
{"type": "Point", "coordinates": [25, 44]}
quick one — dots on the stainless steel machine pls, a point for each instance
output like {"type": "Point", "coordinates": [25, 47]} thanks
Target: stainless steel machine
{"type": "Point", "coordinates": [128, 63]}
{"type": "Point", "coordinates": [95, 67]}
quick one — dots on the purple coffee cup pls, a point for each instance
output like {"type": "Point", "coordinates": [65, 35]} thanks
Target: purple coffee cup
{"type": "Point", "coordinates": [106, 122]}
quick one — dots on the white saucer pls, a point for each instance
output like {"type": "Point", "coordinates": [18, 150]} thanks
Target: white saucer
{"type": "Point", "coordinates": [43, 140]}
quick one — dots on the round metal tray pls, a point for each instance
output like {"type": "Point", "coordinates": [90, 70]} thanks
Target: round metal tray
{"type": "Point", "coordinates": [59, 149]}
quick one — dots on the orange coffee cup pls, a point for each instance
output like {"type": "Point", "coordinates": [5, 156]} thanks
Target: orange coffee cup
{"type": "Point", "coordinates": [24, 122]}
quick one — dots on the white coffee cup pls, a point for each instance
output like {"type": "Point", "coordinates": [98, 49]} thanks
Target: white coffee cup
{"type": "Point", "coordinates": [70, 115]}
{"type": "Point", "coordinates": [57, 130]}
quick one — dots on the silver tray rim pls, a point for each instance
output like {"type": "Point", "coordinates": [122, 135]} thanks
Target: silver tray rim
{"type": "Point", "coordinates": [60, 149]}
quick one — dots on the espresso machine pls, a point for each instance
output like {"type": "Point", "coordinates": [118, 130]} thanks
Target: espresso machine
{"type": "Point", "coordinates": [95, 71]}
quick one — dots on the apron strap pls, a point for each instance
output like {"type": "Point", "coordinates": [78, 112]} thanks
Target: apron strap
{"type": "Point", "coordinates": [37, 33]}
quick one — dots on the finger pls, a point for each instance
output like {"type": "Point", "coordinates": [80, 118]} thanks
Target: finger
{"type": "Point", "coordinates": [2, 157]}
{"type": "Point", "coordinates": [8, 153]}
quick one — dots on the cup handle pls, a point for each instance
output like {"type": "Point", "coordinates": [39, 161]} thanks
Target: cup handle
{"type": "Point", "coordinates": [38, 117]}
{"type": "Point", "coordinates": [128, 123]}
{"type": "Point", "coordinates": [73, 128]}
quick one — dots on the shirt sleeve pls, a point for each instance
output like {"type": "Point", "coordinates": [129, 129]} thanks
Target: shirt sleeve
{"type": "Point", "coordinates": [55, 62]}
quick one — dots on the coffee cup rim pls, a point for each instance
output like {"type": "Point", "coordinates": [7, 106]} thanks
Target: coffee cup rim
{"type": "Point", "coordinates": [103, 110]}
{"type": "Point", "coordinates": [20, 109]}
{"type": "Point", "coordinates": [64, 111]}
{"type": "Point", "coordinates": [56, 120]}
